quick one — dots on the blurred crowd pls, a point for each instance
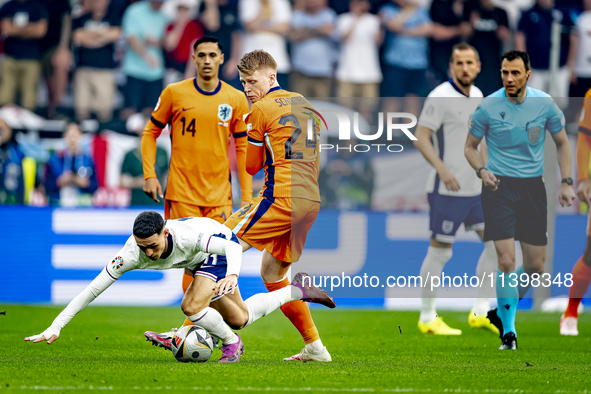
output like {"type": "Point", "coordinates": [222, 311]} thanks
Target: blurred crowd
{"type": "Point", "coordinates": [109, 60]}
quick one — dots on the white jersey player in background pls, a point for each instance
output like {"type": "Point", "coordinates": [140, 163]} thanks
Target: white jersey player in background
{"type": "Point", "coordinates": [214, 255]}
{"type": "Point", "coordinates": [453, 188]}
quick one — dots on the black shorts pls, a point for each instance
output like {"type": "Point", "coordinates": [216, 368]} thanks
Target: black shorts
{"type": "Point", "coordinates": [517, 209]}
{"type": "Point", "coordinates": [140, 94]}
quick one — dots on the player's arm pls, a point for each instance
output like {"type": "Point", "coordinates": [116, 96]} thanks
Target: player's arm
{"type": "Point", "coordinates": [255, 123]}
{"type": "Point", "coordinates": [583, 149]}
{"type": "Point", "coordinates": [233, 253]}
{"type": "Point", "coordinates": [254, 156]}
{"type": "Point", "coordinates": [425, 146]}
{"type": "Point", "coordinates": [92, 291]}
{"type": "Point", "coordinates": [567, 194]}
{"type": "Point", "coordinates": [157, 122]}
{"type": "Point", "coordinates": [477, 126]}
{"type": "Point", "coordinates": [240, 142]}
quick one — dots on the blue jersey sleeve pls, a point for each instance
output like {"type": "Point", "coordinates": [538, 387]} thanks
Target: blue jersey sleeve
{"type": "Point", "coordinates": [478, 123]}
{"type": "Point", "coordinates": [555, 118]}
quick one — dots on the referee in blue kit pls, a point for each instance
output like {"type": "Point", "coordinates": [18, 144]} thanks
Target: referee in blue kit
{"type": "Point", "coordinates": [514, 121]}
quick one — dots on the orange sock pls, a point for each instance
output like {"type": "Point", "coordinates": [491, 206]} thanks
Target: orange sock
{"type": "Point", "coordinates": [581, 280]}
{"type": "Point", "coordinates": [187, 280]}
{"type": "Point", "coordinates": [298, 314]}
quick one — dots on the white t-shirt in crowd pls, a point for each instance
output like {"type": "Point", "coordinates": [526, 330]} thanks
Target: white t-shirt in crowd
{"type": "Point", "coordinates": [359, 59]}
{"type": "Point", "coordinates": [583, 62]}
{"type": "Point", "coordinates": [275, 44]}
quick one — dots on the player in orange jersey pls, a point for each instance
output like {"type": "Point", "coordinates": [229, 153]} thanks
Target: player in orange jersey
{"type": "Point", "coordinates": [203, 113]}
{"type": "Point", "coordinates": [277, 222]}
{"type": "Point", "coordinates": [582, 269]}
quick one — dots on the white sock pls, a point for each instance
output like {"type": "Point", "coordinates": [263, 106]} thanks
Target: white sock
{"type": "Point", "coordinates": [315, 347]}
{"type": "Point", "coordinates": [260, 305]}
{"type": "Point", "coordinates": [432, 266]}
{"type": "Point", "coordinates": [213, 322]}
{"type": "Point", "coordinates": [487, 264]}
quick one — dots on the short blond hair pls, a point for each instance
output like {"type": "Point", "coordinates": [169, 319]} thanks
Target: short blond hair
{"type": "Point", "coordinates": [256, 60]}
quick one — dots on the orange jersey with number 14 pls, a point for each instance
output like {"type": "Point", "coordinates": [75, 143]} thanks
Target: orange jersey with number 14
{"type": "Point", "coordinates": [201, 126]}
{"type": "Point", "coordinates": [280, 122]}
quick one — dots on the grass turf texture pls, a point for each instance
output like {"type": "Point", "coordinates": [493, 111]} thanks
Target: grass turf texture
{"type": "Point", "coordinates": [103, 348]}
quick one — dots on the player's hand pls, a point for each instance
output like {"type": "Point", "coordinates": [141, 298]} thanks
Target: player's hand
{"type": "Point", "coordinates": [49, 335]}
{"type": "Point", "coordinates": [230, 282]}
{"type": "Point", "coordinates": [489, 179]}
{"type": "Point", "coordinates": [450, 181]}
{"type": "Point", "coordinates": [584, 191]}
{"type": "Point", "coordinates": [566, 195]}
{"type": "Point", "coordinates": [153, 189]}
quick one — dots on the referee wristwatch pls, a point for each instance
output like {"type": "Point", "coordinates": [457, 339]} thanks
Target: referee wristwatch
{"type": "Point", "coordinates": [568, 181]}
{"type": "Point", "coordinates": [480, 169]}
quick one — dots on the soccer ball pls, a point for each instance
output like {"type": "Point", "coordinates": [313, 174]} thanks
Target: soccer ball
{"type": "Point", "coordinates": [192, 344]}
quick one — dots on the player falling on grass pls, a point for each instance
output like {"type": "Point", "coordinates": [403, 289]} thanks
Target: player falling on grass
{"type": "Point", "coordinates": [582, 269]}
{"type": "Point", "coordinates": [514, 121]}
{"type": "Point", "coordinates": [214, 255]}
{"type": "Point", "coordinates": [453, 188]}
{"type": "Point", "coordinates": [203, 113]}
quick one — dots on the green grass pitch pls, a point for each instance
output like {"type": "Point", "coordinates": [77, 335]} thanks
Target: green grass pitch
{"type": "Point", "coordinates": [103, 349]}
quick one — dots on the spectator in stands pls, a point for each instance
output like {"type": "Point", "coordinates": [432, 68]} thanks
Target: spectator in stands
{"type": "Point", "coordinates": [266, 22]}
{"type": "Point", "coordinates": [487, 28]}
{"type": "Point", "coordinates": [581, 53]}
{"type": "Point", "coordinates": [12, 185]}
{"type": "Point", "coordinates": [359, 73]}
{"type": "Point", "coordinates": [534, 37]}
{"type": "Point", "coordinates": [23, 23]}
{"type": "Point", "coordinates": [94, 40]}
{"type": "Point", "coordinates": [70, 175]}
{"type": "Point", "coordinates": [220, 18]}
{"type": "Point", "coordinates": [313, 51]}
{"type": "Point", "coordinates": [132, 171]}
{"type": "Point", "coordinates": [55, 46]}
{"type": "Point", "coordinates": [406, 53]}
{"type": "Point", "coordinates": [446, 32]}
{"type": "Point", "coordinates": [179, 37]}
{"type": "Point", "coordinates": [143, 64]}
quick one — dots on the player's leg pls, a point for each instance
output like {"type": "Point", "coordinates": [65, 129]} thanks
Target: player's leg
{"type": "Point", "coordinates": [195, 306]}
{"type": "Point", "coordinates": [581, 279]}
{"type": "Point", "coordinates": [487, 265]}
{"type": "Point", "coordinates": [239, 313]}
{"type": "Point", "coordinates": [445, 217]}
{"type": "Point", "coordinates": [507, 292]}
{"type": "Point", "coordinates": [500, 210]}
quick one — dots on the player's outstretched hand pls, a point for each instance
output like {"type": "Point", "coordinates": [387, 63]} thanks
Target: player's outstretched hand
{"type": "Point", "coordinates": [584, 191]}
{"type": "Point", "coordinates": [450, 181]}
{"type": "Point", "coordinates": [153, 189]}
{"type": "Point", "coordinates": [490, 180]}
{"type": "Point", "coordinates": [566, 195]}
{"type": "Point", "coordinates": [49, 335]}
{"type": "Point", "coordinates": [224, 286]}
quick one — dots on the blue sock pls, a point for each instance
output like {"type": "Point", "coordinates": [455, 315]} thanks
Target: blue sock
{"type": "Point", "coordinates": [507, 299]}
{"type": "Point", "coordinates": [522, 289]}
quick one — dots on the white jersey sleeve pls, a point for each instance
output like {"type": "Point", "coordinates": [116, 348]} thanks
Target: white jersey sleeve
{"type": "Point", "coordinates": [432, 114]}
{"type": "Point", "coordinates": [125, 260]}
